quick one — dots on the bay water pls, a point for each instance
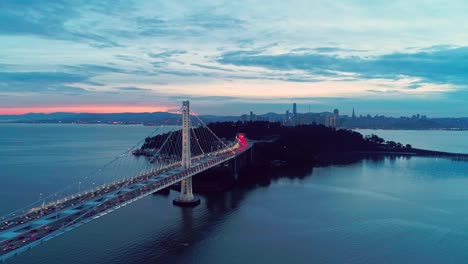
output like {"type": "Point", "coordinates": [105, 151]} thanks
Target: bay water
{"type": "Point", "coordinates": [387, 210]}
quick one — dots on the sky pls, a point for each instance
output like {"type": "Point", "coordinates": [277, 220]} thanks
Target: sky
{"type": "Point", "coordinates": [393, 58]}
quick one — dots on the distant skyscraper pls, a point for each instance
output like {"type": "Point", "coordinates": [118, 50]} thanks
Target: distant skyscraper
{"type": "Point", "coordinates": [286, 120]}
{"type": "Point", "coordinates": [354, 115]}
{"type": "Point", "coordinates": [251, 116]}
{"type": "Point", "coordinates": [334, 118]}
{"type": "Point", "coordinates": [327, 120]}
{"type": "Point", "coordinates": [294, 114]}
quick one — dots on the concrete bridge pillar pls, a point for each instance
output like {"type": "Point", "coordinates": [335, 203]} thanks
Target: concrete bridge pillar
{"type": "Point", "coordinates": [235, 167]}
{"type": "Point", "coordinates": [186, 197]}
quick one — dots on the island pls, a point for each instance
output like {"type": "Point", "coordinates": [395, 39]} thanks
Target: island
{"type": "Point", "coordinates": [302, 146]}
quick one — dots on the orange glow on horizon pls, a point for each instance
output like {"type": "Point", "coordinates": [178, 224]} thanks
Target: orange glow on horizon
{"type": "Point", "coordinates": [100, 109]}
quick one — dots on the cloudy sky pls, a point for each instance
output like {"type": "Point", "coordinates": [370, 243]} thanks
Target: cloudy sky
{"type": "Point", "coordinates": [229, 57]}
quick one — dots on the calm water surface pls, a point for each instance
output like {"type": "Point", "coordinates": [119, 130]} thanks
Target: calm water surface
{"type": "Point", "coordinates": [442, 140]}
{"type": "Point", "coordinates": [402, 210]}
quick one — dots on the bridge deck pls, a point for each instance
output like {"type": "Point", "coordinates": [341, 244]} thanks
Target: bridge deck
{"type": "Point", "coordinates": [27, 230]}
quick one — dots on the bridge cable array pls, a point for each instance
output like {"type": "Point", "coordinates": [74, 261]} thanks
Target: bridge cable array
{"type": "Point", "coordinates": [86, 181]}
{"type": "Point", "coordinates": [170, 148]}
{"type": "Point", "coordinates": [163, 147]}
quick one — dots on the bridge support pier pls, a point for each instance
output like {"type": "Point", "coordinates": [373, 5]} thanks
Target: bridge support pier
{"type": "Point", "coordinates": [186, 198]}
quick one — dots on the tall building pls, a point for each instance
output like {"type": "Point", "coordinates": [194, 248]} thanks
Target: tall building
{"type": "Point", "coordinates": [294, 110]}
{"type": "Point", "coordinates": [294, 117]}
{"type": "Point", "coordinates": [286, 119]}
{"type": "Point", "coordinates": [252, 116]}
{"type": "Point", "coordinates": [354, 115]}
{"type": "Point", "coordinates": [327, 120]}
{"type": "Point", "coordinates": [334, 118]}
{"type": "Point", "coordinates": [331, 120]}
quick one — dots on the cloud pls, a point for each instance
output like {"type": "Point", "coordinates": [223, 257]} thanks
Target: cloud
{"type": "Point", "coordinates": [203, 98]}
{"type": "Point", "coordinates": [437, 66]}
{"type": "Point", "coordinates": [187, 73]}
{"type": "Point", "coordinates": [213, 22]}
{"type": "Point", "coordinates": [48, 82]}
{"type": "Point", "coordinates": [209, 67]}
{"type": "Point", "coordinates": [196, 22]}
{"type": "Point", "coordinates": [40, 77]}
{"type": "Point", "coordinates": [326, 50]}
{"type": "Point", "coordinates": [149, 26]}
{"type": "Point", "coordinates": [31, 17]}
{"type": "Point", "coordinates": [132, 88]}
{"type": "Point", "coordinates": [166, 54]}
{"type": "Point", "coordinates": [95, 69]}
{"type": "Point", "coordinates": [127, 58]}
{"type": "Point", "coordinates": [67, 81]}
{"type": "Point", "coordinates": [383, 92]}
{"type": "Point", "coordinates": [56, 19]}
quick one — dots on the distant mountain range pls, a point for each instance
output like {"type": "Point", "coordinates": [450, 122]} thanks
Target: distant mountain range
{"type": "Point", "coordinates": [165, 118]}
{"type": "Point", "coordinates": [155, 118]}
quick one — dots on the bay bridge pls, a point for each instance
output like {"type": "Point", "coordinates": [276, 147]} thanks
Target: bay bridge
{"type": "Point", "coordinates": [174, 157]}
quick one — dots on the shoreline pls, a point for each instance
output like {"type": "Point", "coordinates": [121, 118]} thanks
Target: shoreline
{"type": "Point", "coordinates": [410, 129]}
{"type": "Point", "coordinates": [417, 152]}
{"type": "Point", "coordinates": [143, 124]}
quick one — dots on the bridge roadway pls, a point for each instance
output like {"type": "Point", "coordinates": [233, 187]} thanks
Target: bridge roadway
{"type": "Point", "coordinates": [22, 232]}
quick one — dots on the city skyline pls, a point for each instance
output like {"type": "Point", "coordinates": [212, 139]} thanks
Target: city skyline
{"type": "Point", "coordinates": [288, 109]}
{"type": "Point", "coordinates": [394, 59]}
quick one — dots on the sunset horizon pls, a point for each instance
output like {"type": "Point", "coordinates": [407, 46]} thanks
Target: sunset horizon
{"type": "Point", "coordinates": [92, 109]}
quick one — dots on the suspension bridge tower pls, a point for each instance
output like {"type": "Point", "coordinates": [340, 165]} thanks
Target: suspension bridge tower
{"type": "Point", "coordinates": [186, 197]}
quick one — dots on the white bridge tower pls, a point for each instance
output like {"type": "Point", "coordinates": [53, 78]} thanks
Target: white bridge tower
{"type": "Point", "coordinates": [186, 197]}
